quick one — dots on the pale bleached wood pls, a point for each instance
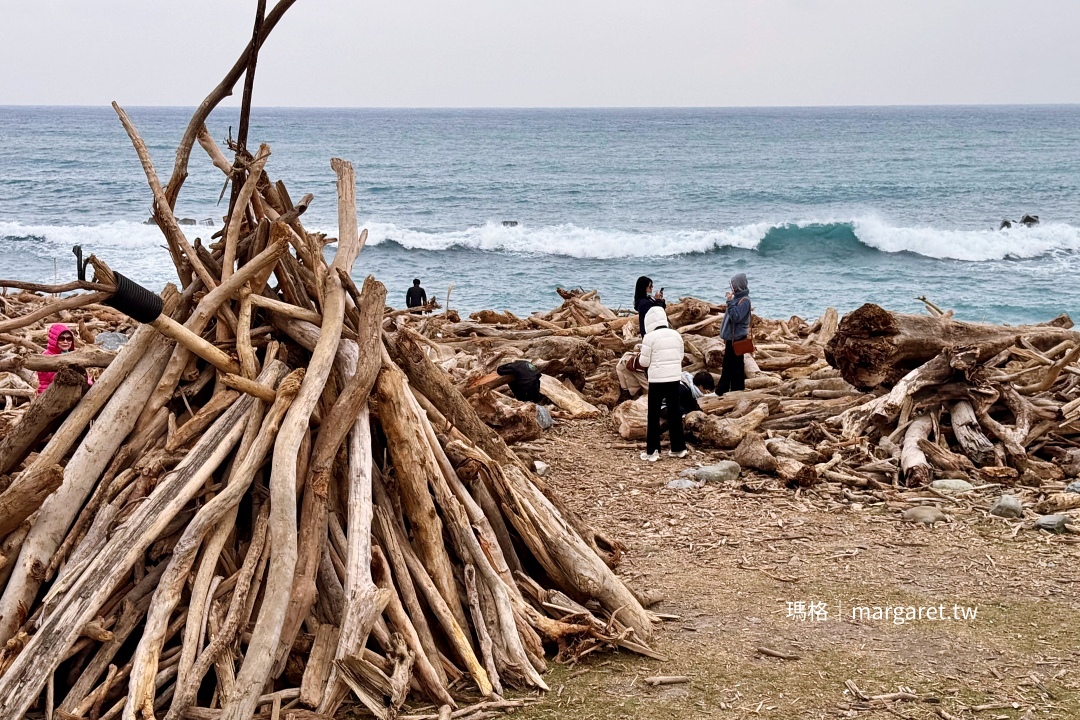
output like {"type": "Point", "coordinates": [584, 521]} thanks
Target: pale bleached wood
{"type": "Point", "coordinates": [319, 662]}
{"type": "Point", "coordinates": [455, 633]}
{"type": "Point", "coordinates": [250, 387]}
{"type": "Point", "coordinates": [337, 423]}
{"type": "Point", "coordinates": [84, 468]}
{"type": "Point", "coordinates": [415, 465]}
{"type": "Point", "coordinates": [232, 231]}
{"type": "Point", "coordinates": [569, 400]}
{"type": "Point", "coordinates": [198, 321]}
{"type": "Point", "coordinates": [26, 495]}
{"type": "Point", "coordinates": [361, 592]}
{"type": "Point", "coordinates": [132, 610]}
{"type": "Point", "coordinates": [406, 589]}
{"type": "Point", "coordinates": [969, 434]}
{"type": "Point", "coordinates": [179, 247]}
{"type": "Point", "coordinates": [258, 661]}
{"type": "Point", "coordinates": [66, 390]}
{"type": "Point", "coordinates": [51, 308]}
{"type": "Point", "coordinates": [286, 309]}
{"type": "Point", "coordinates": [249, 365]}
{"type": "Point", "coordinates": [202, 419]}
{"type": "Point", "coordinates": [168, 592]}
{"type": "Point", "coordinates": [429, 680]}
{"type": "Point", "coordinates": [86, 357]}
{"type": "Point", "coordinates": [60, 628]}
{"type": "Point", "coordinates": [915, 469]}
{"type": "Point", "coordinates": [196, 344]}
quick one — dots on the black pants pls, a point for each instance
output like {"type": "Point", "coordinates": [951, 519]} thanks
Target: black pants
{"type": "Point", "coordinates": [733, 374]}
{"type": "Point", "coordinates": [658, 393]}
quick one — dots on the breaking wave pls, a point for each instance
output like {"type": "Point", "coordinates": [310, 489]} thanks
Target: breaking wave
{"type": "Point", "coordinates": [833, 237]}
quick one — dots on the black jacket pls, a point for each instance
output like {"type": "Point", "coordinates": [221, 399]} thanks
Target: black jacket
{"type": "Point", "coordinates": [643, 306]}
{"type": "Point", "coordinates": [525, 380]}
{"type": "Point", "coordinates": [415, 297]}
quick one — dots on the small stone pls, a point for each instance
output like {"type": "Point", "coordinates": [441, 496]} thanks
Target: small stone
{"type": "Point", "coordinates": [684, 484]}
{"type": "Point", "coordinates": [952, 485]}
{"type": "Point", "coordinates": [543, 417]}
{"type": "Point", "coordinates": [541, 468]}
{"type": "Point", "coordinates": [111, 340]}
{"type": "Point", "coordinates": [856, 507]}
{"type": "Point", "coordinates": [925, 514]}
{"type": "Point", "coordinates": [1053, 523]}
{"type": "Point", "coordinates": [724, 471]}
{"type": "Point", "coordinates": [1007, 506]}
{"type": "Point", "coordinates": [1073, 487]}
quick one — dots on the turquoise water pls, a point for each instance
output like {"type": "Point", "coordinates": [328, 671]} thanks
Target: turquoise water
{"type": "Point", "coordinates": [819, 206]}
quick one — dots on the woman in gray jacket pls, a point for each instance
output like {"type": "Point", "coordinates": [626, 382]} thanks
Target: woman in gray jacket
{"type": "Point", "coordinates": [736, 326]}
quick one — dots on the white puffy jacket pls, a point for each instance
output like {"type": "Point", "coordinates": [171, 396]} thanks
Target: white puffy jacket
{"type": "Point", "coordinates": [661, 348]}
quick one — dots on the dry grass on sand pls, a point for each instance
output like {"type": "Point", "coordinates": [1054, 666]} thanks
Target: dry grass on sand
{"type": "Point", "coordinates": [729, 562]}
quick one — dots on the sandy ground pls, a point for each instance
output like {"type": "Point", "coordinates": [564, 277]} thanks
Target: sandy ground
{"type": "Point", "coordinates": [735, 562]}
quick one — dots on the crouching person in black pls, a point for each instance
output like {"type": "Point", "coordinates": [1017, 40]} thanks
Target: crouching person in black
{"type": "Point", "coordinates": [524, 380]}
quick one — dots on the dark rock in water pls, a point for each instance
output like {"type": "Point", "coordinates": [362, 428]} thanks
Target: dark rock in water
{"type": "Point", "coordinates": [1005, 225]}
{"type": "Point", "coordinates": [111, 340]}
{"type": "Point", "coordinates": [510, 223]}
{"type": "Point", "coordinates": [1030, 220]}
{"type": "Point", "coordinates": [209, 222]}
{"type": "Point", "coordinates": [186, 221]}
{"type": "Point", "coordinates": [149, 221]}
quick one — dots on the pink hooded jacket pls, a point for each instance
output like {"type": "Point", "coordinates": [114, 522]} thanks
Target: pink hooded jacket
{"type": "Point", "coordinates": [45, 378]}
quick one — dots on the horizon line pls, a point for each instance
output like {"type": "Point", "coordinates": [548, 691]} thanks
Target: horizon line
{"type": "Point", "coordinates": [573, 107]}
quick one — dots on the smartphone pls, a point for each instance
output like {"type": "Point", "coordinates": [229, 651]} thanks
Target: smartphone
{"type": "Point", "coordinates": [661, 291]}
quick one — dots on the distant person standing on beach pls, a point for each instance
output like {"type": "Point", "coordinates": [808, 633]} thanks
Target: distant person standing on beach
{"type": "Point", "coordinates": [736, 326]}
{"type": "Point", "coordinates": [644, 300]}
{"type": "Point", "coordinates": [415, 297]}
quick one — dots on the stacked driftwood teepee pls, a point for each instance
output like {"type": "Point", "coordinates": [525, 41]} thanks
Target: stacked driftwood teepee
{"type": "Point", "coordinates": [266, 500]}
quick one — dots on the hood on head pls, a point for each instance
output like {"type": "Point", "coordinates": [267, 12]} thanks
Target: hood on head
{"type": "Point", "coordinates": [655, 318]}
{"type": "Point", "coordinates": [738, 283]}
{"type": "Point", "coordinates": [55, 331]}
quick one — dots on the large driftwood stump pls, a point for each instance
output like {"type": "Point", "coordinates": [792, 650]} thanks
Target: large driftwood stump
{"type": "Point", "coordinates": [874, 347]}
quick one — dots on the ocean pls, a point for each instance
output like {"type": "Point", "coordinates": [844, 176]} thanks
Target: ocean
{"type": "Point", "coordinates": [818, 206]}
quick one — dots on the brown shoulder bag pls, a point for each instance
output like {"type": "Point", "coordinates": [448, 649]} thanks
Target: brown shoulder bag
{"type": "Point", "coordinates": [745, 346]}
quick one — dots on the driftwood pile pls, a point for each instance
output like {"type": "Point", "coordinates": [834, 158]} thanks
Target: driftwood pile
{"type": "Point", "coordinates": [270, 500]}
{"type": "Point", "coordinates": [876, 399]}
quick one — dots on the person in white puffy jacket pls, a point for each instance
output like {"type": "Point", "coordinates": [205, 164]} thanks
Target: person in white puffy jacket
{"type": "Point", "coordinates": [662, 355]}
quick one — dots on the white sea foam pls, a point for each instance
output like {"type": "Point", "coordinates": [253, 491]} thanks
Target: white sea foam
{"type": "Point", "coordinates": [570, 240]}
{"type": "Point", "coordinates": [113, 235]}
{"type": "Point", "coordinates": [972, 245]}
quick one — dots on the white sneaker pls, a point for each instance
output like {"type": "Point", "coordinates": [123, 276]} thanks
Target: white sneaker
{"type": "Point", "coordinates": [650, 457]}
{"type": "Point", "coordinates": [680, 454]}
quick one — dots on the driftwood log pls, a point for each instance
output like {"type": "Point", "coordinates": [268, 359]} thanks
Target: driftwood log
{"type": "Point", "coordinates": [873, 347]}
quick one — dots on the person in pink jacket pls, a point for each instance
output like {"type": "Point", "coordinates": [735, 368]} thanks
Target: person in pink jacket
{"type": "Point", "coordinates": [61, 340]}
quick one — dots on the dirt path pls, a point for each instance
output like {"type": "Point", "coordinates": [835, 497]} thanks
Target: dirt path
{"type": "Point", "coordinates": [735, 566]}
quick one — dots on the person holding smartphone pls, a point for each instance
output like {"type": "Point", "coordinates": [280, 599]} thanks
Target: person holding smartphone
{"type": "Point", "coordinates": [645, 300]}
{"type": "Point", "coordinates": [736, 326]}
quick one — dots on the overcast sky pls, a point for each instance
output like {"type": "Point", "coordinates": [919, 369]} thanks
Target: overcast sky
{"type": "Point", "coordinates": [508, 53]}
